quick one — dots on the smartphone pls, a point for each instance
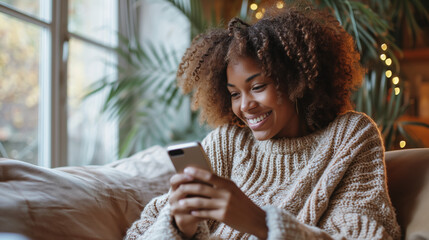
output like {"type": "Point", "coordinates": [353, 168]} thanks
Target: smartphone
{"type": "Point", "coordinates": [187, 155]}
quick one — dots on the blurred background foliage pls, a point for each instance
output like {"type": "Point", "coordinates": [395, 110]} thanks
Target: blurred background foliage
{"type": "Point", "coordinates": [17, 62]}
{"type": "Point", "coordinates": [152, 110]}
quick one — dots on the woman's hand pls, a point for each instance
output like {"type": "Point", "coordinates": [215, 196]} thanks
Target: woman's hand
{"type": "Point", "coordinates": [185, 222]}
{"type": "Point", "coordinates": [219, 199]}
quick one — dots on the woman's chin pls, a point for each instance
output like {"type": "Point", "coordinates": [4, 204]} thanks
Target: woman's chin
{"type": "Point", "coordinates": [261, 135]}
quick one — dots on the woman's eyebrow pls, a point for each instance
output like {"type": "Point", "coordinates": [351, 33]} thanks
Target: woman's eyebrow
{"type": "Point", "coordinates": [247, 79]}
{"type": "Point", "coordinates": [252, 77]}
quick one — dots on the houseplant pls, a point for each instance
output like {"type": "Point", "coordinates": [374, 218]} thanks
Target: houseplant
{"type": "Point", "coordinates": [152, 110]}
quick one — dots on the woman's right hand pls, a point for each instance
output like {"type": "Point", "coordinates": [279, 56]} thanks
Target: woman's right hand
{"type": "Point", "coordinates": [185, 222]}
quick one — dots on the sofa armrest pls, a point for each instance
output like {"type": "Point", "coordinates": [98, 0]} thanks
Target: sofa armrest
{"type": "Point", "coordinates": [408, 183]}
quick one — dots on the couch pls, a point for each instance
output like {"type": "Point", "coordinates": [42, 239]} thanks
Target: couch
{"type": "Point", "coordinates": [408, 183]}
{"type": "Point", "coordinates": [101, 202]}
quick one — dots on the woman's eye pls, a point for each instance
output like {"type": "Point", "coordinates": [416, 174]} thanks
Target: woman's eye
{"type": "Point", "coordinates": [258, 87]}
{"type": "Point", "coordinates": [234, 95]}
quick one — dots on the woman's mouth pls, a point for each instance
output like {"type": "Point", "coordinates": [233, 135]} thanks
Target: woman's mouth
{"type": "Point", "coordinates": [258, 121]}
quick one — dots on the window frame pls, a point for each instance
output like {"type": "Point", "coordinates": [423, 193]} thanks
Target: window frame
{"type": "Point", "coordinates": [52, 126]}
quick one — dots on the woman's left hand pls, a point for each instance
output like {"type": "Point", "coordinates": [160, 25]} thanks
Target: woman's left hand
{"type": "Point", "coordinates": [220, 199]}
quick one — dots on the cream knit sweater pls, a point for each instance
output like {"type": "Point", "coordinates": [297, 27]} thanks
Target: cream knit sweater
{"type": "Point", "coordinates": [330, 184]}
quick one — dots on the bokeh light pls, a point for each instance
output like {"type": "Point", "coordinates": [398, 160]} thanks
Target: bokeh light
{"type": "Point", "coordinates": [397, 90]}
{"type": "Point", "coordinates": [388, 73]}
{"type": "Point", "coordinates": [388, 61]}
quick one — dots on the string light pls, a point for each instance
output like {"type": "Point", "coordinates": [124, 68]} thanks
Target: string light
{"type": "Point", "coordinates": [279, 5]}
{"type": "Point", "coordinates": [388, 61]}
{"type": "Point", "coordinates": [263, 10]}
{"type": "Point", "coordinates": [397, 90]}
{"type": "Point", "coordinates": [402, 144]}
{"type": "Point", "coordinates": [259, 15]}
{"type": "Point", "coordinates": [253, 6]}
{"type": "Point", "coordinates": [395, 80]}
{"type": "Point", "coordinates": [388, 73]}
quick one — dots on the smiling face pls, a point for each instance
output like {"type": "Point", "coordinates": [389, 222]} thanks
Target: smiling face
{"type": "Point", "coordinates": [255, 101]}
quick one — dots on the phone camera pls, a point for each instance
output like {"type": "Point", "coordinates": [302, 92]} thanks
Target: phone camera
{"type": "Point", "coordinates": [175, 152]}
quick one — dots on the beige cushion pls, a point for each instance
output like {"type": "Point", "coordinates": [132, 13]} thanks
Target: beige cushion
{"type": "Point", "coordinates": [408, 182]}
{"type": "Point", "coordinates": [94, 202]}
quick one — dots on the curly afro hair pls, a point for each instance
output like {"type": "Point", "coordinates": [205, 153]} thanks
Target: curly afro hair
{"type": "Point", "coordinates": [310, 57]}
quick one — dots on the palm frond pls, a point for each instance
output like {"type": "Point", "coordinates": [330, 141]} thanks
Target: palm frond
{"type": "Point", "coordinates": [366, 26]}
{"type": "Point", "coordinates": [144, 97]}
{"type": "Point", "coordinates": [406, 12]}
{"type": "Point", "coordinates": [192, 10]}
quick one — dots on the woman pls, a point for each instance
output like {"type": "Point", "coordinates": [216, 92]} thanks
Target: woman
{"type": "Point", "coordinates": [289, 160]}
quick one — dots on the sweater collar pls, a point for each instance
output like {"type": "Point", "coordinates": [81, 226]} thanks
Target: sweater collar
{"type": "Point", "coordinates": [290, 145]}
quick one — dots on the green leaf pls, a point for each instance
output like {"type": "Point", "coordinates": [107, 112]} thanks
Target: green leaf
{"type": "Point", "coordinates": [126, 146]}
{"type": "Point", "coordinates": [353, 22]}
{"type": "Point", "coordinates": [244, 9]}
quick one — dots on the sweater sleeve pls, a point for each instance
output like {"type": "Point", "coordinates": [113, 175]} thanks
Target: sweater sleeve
{"type": "Point", "coordinates": [356, 210]}
{"type": "Point", "coordinates": [156, 223]}
{"type": "Point", "coordinates": [359, 206]}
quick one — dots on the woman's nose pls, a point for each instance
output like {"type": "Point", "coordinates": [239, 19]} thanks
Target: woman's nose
{"type": "Point", "coordinates": [247, 103]}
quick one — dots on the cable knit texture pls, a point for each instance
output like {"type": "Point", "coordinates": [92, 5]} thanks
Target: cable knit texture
{"type": "Point", "coordinates": [327, 185]}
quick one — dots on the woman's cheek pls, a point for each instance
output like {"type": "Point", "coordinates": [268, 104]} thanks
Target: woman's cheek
{"type": "Point", "coordinates": [235, 108]}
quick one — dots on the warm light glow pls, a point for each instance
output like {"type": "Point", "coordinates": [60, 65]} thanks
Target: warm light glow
{"type": "Point", "coordinates": [397, 90]}
{"type": "Point", "coordinates": [384, 46]}
{"type": "Point", "coordinates": [279, 4]}
{"type": "Point", "coordinates": [395, 80]}
{"type": "Point", "coordinates": [383, 57]}
{"type": "Point", "coordinates": [253, 6]}
{"type": "Point", "coordinates": [263, 10]}
{"type": "Point", "coordinates": [388, 73]}
{"type": "Point", "coordinates": [388, 61]}
{"type": "Point", "coordinates": [402, 144]}
{"type": "Point", "coordinates": [259, 15]}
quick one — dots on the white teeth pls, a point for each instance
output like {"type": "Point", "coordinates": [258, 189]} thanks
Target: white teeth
{"type": "Point", "coordinates": [258, 119]}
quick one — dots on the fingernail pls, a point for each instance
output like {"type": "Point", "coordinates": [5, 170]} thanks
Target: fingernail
{"type": "Point", "coordinates": [189, 170]}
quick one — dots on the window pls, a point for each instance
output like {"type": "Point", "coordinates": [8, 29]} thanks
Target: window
{"type": "Point", "coordinates": [92, 137]}
{"type": "Point", "coordinates": [52, 50]}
